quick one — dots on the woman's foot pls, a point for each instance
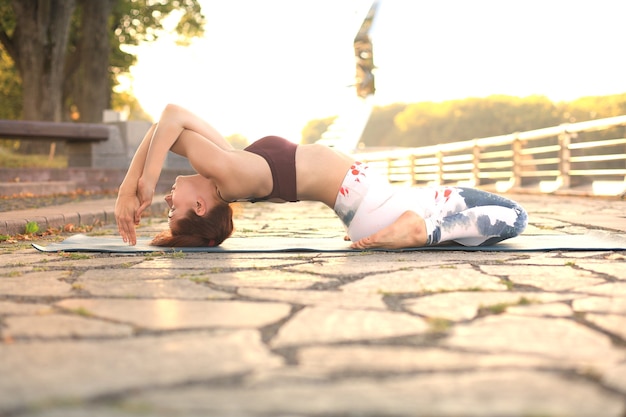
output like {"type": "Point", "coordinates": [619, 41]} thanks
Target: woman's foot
{"type": "Point", "coordinates": [409, 231]}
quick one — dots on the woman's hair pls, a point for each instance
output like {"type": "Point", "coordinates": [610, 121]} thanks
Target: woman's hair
{"type": "Point", "coordinates": [193, 230]}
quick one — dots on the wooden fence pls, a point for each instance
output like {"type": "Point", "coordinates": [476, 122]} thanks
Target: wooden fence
{"type": "Point", "coordinates": [586, 157]}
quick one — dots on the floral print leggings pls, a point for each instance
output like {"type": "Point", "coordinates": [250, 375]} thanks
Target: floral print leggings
{"type": "Point", "coordinates": [366, 203]}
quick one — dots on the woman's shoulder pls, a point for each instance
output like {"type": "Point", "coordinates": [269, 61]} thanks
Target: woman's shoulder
{"type": "Point", "coordinates": [248, 176]}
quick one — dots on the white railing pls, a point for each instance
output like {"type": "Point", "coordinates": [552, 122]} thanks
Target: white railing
{"type": "Point", "coordinates": [564, 158]}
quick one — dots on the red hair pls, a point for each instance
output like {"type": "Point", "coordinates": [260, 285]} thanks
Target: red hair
{"type": "Point", "coordinates": [193, 230]}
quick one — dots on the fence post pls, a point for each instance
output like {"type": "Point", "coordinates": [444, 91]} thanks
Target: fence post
{"type": "Point", "coordinates": [412, 170]}
{"type": "Point", "coordinates": [517, 161]}
{"type": "Point", "coordinates": [475, 164]}
{"type": "Point", "coordinates": [439, 168]}
{"type": "Point", "coordinates": [565, 139]}
{"type": "Point", "coordinates": [389, 168]}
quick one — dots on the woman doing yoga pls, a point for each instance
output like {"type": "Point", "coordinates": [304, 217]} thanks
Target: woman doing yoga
{"type": "Point", "coordinates": [374, 213]}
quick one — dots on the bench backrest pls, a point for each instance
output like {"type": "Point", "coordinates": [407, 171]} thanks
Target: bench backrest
{"type": "Point", "coordinates": [68, 131]}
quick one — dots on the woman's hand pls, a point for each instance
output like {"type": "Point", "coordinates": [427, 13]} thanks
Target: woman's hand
{"type": "Point", "coordinates": [126, 208]}
{"type": "Point", "coordinates": [409, 231]}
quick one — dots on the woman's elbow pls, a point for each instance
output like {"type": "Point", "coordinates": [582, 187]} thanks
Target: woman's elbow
{"type": "Point", "coordinates": [170, 110]}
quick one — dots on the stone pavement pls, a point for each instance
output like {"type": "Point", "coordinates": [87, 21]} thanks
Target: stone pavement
{"type": "Point", "coordinates": [312, 334]}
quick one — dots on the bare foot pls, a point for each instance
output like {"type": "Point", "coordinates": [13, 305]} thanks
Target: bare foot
{"type": "Point", "coordinates": [409, 231]}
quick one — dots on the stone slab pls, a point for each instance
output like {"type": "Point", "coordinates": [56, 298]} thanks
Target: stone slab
{"type": "Point", "coordinates": [37, 372]}
{"type": "Point", "coordinates": [315, 325]}
{"type": "Point", "coordinates": [169, 314]}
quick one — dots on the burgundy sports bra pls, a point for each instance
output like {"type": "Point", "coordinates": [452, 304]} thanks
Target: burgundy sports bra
{"type": "Point", "coordinates": [280, 155]}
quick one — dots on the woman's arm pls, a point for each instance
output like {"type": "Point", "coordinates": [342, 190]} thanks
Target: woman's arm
{"type": "Point", "coordinates": [127, 204]}
{"type": "Point", "coordinates": [137, 189]}
{"type": "Point", "coordinates": [129, 184]}
{"type": "Point", "coordinates": [173, 122]}
{"type": "Point", "coordinates": [186, 134]}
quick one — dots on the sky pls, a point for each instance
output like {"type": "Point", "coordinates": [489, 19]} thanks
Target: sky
{"type": "Point", "coordinates": [267, 67]}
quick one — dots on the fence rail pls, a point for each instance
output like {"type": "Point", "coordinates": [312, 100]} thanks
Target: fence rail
{"type": "Point", "coordinates": [586, 157]}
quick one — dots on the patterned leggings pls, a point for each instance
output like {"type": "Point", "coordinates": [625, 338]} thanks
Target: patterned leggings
{"type": "Point", "coordinates": [366, 204]}
{"type": "Point", "coordinates": [473, 217]}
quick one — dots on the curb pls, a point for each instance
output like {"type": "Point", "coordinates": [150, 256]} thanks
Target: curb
{"type": "Point", "coordinates": [37, 188]}
{"type": "Point", "coordinates": [85, 213]}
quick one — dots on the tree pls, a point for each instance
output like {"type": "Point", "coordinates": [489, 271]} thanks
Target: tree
{"type": "Point", "coordinates": [67, 52]}
{"type": "Point", "coordinates": [422, 124]}
{"type": "Point", "coordinates": [129, 104]}
{"type": "Point", "coordinates": [87, 83]}
{"type": "Point", "coordinates": [97, 57]}
{"type": "Point", "coordinates": [238, 141]}
{"type": "Point", "coordinates": [315, 128]}
{"type": "Point", "coordinates": [10, 88]}
{"type": "Point", "coordinates": [381, 129]}
{"type": "Point", "coordinates": [37, 46]}
{"type": "Point", "coordinates": [596, 107]}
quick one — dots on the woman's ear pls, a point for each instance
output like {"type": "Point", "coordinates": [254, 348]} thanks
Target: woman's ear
{"type": "Point", "coordinates": [200, 207]}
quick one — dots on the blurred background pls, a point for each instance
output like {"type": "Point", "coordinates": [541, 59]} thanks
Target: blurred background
{"type": "Point", "coordinates": [445, 70]}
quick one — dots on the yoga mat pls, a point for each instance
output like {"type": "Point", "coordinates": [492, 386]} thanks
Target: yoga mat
{"type": "Point", "coordinates": [524, 243]}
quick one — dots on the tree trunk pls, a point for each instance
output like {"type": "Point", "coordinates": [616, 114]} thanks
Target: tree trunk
{"type": "Point", "coordinates": [94, 92]}
{"type": "Point", "coordinates": [41, 37]}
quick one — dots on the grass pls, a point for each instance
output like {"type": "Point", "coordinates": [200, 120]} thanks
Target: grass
{"type": "Point", "coordinates": [175, 254]}
{"type": "Point", "coordinates": [31, 228]}
{"type": "Point", "coordinates": [500, 308]}
{"type": "Point", "coordinates": [200, 280]}
{"type": "Point", "coordinates": [509, 284]}
{"type": "Point", "coordinates": [81, 311]}
{"type": "Point", "coordinates": [9, 159]}
{"type": "Point", "coordinates": [438, 324]}
{"type": "Point", "coordinates": [74, 256]}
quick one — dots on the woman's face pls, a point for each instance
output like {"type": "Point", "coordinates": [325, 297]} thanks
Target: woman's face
{"type": "Point", "coordinates": [188, 192]}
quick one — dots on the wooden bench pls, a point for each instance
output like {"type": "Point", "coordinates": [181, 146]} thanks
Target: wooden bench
{"type": "Point", "coordinates": [86, 142]}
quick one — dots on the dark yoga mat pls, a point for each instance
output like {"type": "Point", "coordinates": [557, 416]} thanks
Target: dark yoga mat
{"type": "Point", "coordinates": [524, 243]}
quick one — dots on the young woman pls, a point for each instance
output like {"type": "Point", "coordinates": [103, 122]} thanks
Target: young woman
{"type": "Point", "coordinates": [375, 214]}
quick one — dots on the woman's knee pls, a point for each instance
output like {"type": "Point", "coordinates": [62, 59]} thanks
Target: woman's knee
{"type": "Point", "coordinates": [521, 220]}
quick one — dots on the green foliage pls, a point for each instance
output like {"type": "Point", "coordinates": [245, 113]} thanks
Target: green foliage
{"type": "Point", "coordinates": [10, 159]}
{"type": "Point", "coordinates": [7, 19]}
{"type": "Point", "coordinates": [380, 128]}
{"type": "Point", "coordinates": [314, 129]}
{"type": "Point", "coordinates": [438, 324]}
{"type": "Point", "coordinates": [76, 256]}
{"type": "Point", "coordinates": [10, 88]}
{"type": "Point", "coordinates": [423, 124]}
{"type": "Point", "coordinates": [595, 107]}
{"type": "Point", "coordinates": [430, 123]}
{"type": "Point", "coordinates": [238, 141]}
{"type": "Point", "coordinates": [31, 228]}
{"type": "Point", "coordinates": [136, 21]}
{"type": "Point", "coordinates": [81, 311]}
{"type": "Point", "coordinates": [498, 308]}
{"type": "Point", "coordinates": [131, 23]}
{"type": "Point", "coordinates": [124, 101]}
